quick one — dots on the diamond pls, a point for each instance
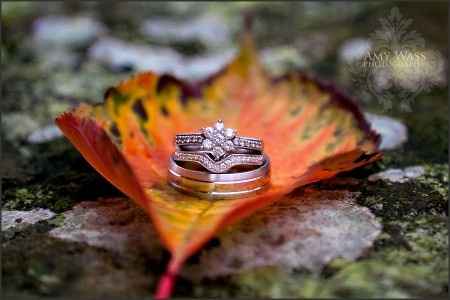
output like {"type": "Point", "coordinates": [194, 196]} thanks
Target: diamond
{"type": "Point", "coordinates": [218, 152]}
{"type": "Point", "coordinates": [230, 133]}
{"type": "Point", "coordinates": [207, 145]}
{"type": "Point", "coordinates": [208, 132]}
{"type": "Point", "coordinates": [228, 146]}
{"type": "Point", "coordinates": [219, 137]}
{"type": "Point", "coordinates": [219, 125]}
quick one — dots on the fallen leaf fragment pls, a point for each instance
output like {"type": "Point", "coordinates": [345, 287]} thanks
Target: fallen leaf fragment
{"type": "Point", "coordinates": [310, 130]}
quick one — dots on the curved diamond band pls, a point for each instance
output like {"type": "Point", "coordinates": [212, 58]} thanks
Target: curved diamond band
{"type": "Point", "coordinates": [205, 176]}
{"type": "Point", "coordinates": [222, 165]}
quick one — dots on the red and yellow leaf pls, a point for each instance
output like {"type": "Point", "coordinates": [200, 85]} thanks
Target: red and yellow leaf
{"type": "Point", "coordinates": [311, 132]}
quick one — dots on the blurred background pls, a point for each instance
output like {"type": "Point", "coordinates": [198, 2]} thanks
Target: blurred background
{"type": "Point", "coordinates": [55, 55]}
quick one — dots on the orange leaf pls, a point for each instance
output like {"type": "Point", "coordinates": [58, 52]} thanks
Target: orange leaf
{"type": "Point", "coordinates": [311, 132]}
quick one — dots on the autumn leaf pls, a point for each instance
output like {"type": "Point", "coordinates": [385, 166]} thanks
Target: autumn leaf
{"type": "Point", "coordinates": [310, 131]}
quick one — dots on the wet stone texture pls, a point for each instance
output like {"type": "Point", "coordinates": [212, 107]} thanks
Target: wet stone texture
{"type": "Point", "coordinates": [380, 231]}
{"type": "Point", "coordinates": [15, 218]}
{"type": "Point", "coordinates": [304, 231]}
{"type": "Point", "coordinates": [114, 224]}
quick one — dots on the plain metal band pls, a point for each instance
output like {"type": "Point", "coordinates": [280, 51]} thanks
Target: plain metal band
{"type": "Point", "coordinates": [263, 170]}
{"type": "Point", "coordinates": [219, 195]}
{"type": "Point", "coordinates": [215, 190]}
{"type": "Point", "coordinates": [224, 187]}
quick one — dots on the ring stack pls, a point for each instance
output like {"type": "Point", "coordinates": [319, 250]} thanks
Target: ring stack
{"type": "Point", "coordinates": [217, 163]}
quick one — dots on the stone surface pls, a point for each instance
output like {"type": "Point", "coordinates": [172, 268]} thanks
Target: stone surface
{"type": "Point", "coordinates": [114, 224]}
{"type": "Point", "coordinates": [305, 231]}
{"type": "Point", "coordinates": [205, 65]}
{"type": "Point", "coordinates": [211, 30]}
{"type": "Point", "coordinates": [354, 49]}
{"type": "Point", "coordinates": [398, 175]}
{"type": "Point", "coordinates": [53, 31]}
{"type": "Point", "coordinates": [393, 132]}
{"type": "Point", "coordinates": [118, 54]}
{"type": "Point", "coordinates": [13, 218]}
{"type": "Point", "coordinates": [45, 134]}
{"type": "Point", "coordinates": [18, 125]}
{"type": "Point", "coordinates": [56, 58]}
{"type": "Point", "coordinates": [280, 59]}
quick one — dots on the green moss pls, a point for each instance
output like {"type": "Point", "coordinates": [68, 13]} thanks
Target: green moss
{"type": "Point", "coordinates": [57, 194]}
{"type": "Point", "coordinates": [56, 178]}
{"type": "Point", "coordinates": [425, 195]}
{"type": "Point", "coordinates": [417, 267]}
{"type": "Point", "coordinates": [392, 270]}
{"type": "Point", "coordinates": [436, 178]}
{"type": "Point", "coordinates": [409, 259]}
{"type": "Point", "coordinates": [56, 221]}
{"type": "Point", "coordinates": [380, 280]}
{"type": "Point", "coordinates": [35, 196]}
{"type": "Point", "coordinates": [427, 133]}
{"type": "Point", "coordinates": [275, 283]}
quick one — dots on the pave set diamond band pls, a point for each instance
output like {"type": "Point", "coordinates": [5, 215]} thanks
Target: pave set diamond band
{"type": "Point", "coordinates": [224, 164]}
{"type": "Point", "coordinates": [217, 163]}
{"type": "Point", "coordinates": [197, 140]}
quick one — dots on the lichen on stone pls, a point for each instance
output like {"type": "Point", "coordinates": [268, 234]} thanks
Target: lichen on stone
{"type": "Point", "coordinates": [114, 224]}
{"type": "Point", "coordinates": [36, 265]}
{"type": "Point", "coordinates": [304, 231]}
{"type": "Point", "coordinates": [13, 218]}
{"type": "Point", "coordinates": [398, 175]}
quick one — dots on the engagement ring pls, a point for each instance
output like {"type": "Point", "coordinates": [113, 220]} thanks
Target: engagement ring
{"type": "Point", "coordinates": [218, 148]}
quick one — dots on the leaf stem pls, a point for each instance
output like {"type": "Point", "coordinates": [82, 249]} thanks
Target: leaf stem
{"type": "Point", "coordinates": [167, 281]}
